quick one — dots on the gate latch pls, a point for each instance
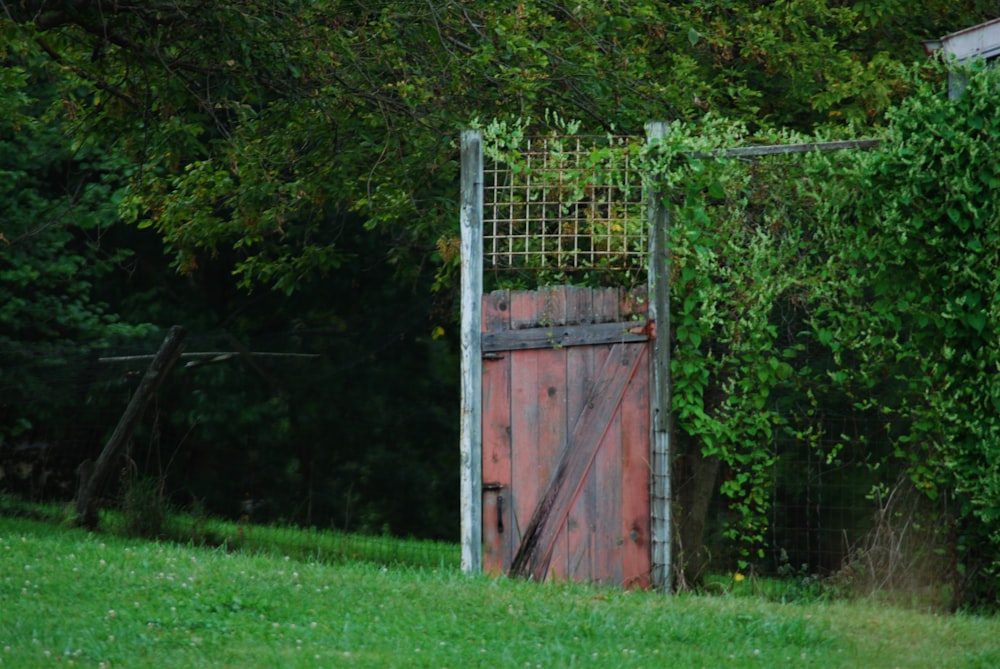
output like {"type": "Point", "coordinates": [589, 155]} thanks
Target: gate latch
{"type": "Point", "coordinates": [496, 487]}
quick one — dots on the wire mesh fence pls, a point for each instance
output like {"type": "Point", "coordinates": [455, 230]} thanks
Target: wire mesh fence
{"type": "Point", "coordinates": [257, 423]}
{"type": "Point", "coordinates": [567, 204]}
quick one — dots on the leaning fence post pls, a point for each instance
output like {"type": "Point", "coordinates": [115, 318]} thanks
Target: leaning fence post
{"type": "Point", "coordinates": [660, 418]}
{"type": "Point", "coordinates": [472, 362]}
{"type": "Point", "coordinates": [92, 484]}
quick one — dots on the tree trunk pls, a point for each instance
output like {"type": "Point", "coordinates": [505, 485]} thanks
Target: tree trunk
{"type": "Point", "coordinates": [91, 486]}
{"type": "Point", "coordinates": [697, 478]}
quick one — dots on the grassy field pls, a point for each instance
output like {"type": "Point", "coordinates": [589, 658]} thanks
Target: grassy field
{"type": "Point", "coordinates": [70, 598]}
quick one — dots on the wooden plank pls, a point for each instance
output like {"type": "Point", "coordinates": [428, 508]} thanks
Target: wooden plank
{"type": "Point", "coordinates": [497, 491]}
{"type": "Point", "coordinates": [210, 356]}
{"type": "Point", "coordinates": [555, 419]}
{"type": "Point", "coordinates": [634, 472]}
{"type": "Point", "coordinates": [537, 543]}
{"type": "Point", "coordinates": [787, 149]}
{"type": "Point", "coordinates": [607, 305]}
{"type": "Point", "coordinates": [470, 476]}
{"type": "Point", "coordinates": [537, 430]}
{"type": "Point", "coordinates": [582, 364]}
{"type": "Point", "coordinates": [561, 336]}
{"type": "Point", "coordinates": [606, 473]}
{"type": "Point", "coordinates": [659, 401]}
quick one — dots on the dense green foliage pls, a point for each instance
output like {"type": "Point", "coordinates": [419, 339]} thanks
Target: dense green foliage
{"type": "Point", "coordinates": [928, 238]}
{"type": "Point", "coordinates": [865, 281]}
{"type": "Point", "coordinates": [256, 125]}
{"type": "Point", "coordinates": [58, 199]}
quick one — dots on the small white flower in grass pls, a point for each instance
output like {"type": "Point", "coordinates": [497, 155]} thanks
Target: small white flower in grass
{"type": "Point", "coordinates": [111, 613]}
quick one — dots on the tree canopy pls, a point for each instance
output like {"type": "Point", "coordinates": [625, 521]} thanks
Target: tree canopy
{"type": "Point", "coordinates": [257, 126]}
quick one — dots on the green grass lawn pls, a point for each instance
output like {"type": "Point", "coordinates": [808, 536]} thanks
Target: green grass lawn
{"type": "Point", "coordinates": [70, 598]}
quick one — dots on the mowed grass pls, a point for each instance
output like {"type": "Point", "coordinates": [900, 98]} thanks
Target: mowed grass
{"type": "Point", "coordinates": [71, 598]}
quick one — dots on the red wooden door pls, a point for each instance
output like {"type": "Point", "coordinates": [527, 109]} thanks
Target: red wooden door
{"type": "Point", "coordinates": [566, 435]}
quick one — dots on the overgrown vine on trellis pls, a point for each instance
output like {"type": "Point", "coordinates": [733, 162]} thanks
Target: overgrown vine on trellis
{"type": "Point", "coordinates": [868, 279]}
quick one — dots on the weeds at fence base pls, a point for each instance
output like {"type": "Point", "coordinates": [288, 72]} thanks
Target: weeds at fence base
{"type": "Point", "coordinates": [144, 507]}
{"type": "Point", "coordinates": [908, 556]}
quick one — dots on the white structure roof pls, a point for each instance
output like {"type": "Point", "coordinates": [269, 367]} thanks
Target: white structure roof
{"type": "Point", "coordinates": [981, 41]}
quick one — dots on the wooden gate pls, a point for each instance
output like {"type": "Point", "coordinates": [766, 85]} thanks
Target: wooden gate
{"type": "Point", "coordinates": [565, 435]}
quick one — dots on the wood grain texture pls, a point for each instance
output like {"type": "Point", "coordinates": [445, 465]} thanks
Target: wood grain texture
{"type": "Point", "coordinates": [565, 442]}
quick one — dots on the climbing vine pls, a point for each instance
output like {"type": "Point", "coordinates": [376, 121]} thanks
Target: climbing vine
{"type": "Point", "coordinates": [862, 280]}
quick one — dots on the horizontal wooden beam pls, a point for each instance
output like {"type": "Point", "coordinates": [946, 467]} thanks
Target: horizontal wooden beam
{"type": "Point", "coordinates": [566, 335]}
{"type": "Point", "coordinates": [785, 149]}
{"type": "Point", "coordinates": [214, 356]}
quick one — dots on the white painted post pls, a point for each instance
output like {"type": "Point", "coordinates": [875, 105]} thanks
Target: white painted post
{"type": "Point", "coordinates": [660, 418]}
{"type": "Point", "coordinates": [472, 361]}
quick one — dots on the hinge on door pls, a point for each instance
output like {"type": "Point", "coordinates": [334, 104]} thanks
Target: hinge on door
{"type": "Point", "coordinates": [647, 328]}
{"type": "Point", "coordinates": [492, 356]}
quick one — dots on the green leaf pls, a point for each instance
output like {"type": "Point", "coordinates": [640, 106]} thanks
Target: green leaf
{"type": "Point", "coordinates": [977, 320]}
{"type": "Point", "coordinates": [717, 190]}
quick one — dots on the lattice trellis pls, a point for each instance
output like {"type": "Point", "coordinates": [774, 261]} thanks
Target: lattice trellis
{"type": "Point", "coordinates": [565, 204]}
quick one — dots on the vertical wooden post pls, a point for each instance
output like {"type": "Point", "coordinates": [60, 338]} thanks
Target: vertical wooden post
{"type": "Point", "coordinates": [93, 478]}
{"type": "Point", "coordinates": [472, 361]}
{"type": "Point", "coordinates": [660, 418]}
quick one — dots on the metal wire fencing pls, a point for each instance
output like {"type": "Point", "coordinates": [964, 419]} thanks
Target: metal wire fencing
{"type": "Point", "coordinates": [565, 205]}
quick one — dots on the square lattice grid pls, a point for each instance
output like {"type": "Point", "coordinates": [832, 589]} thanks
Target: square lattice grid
{"type": "Point", "coordinates": [566, 204]}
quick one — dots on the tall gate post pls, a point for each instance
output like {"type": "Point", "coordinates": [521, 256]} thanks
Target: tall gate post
{"type": "Point", "coordinates": [659, 405]}
{"type": "Point", "coordinates": [472, 360]}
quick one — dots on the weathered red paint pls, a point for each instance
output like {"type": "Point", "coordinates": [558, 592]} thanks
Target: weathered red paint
{"type": "Point", "coordinates": [563, 463]}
